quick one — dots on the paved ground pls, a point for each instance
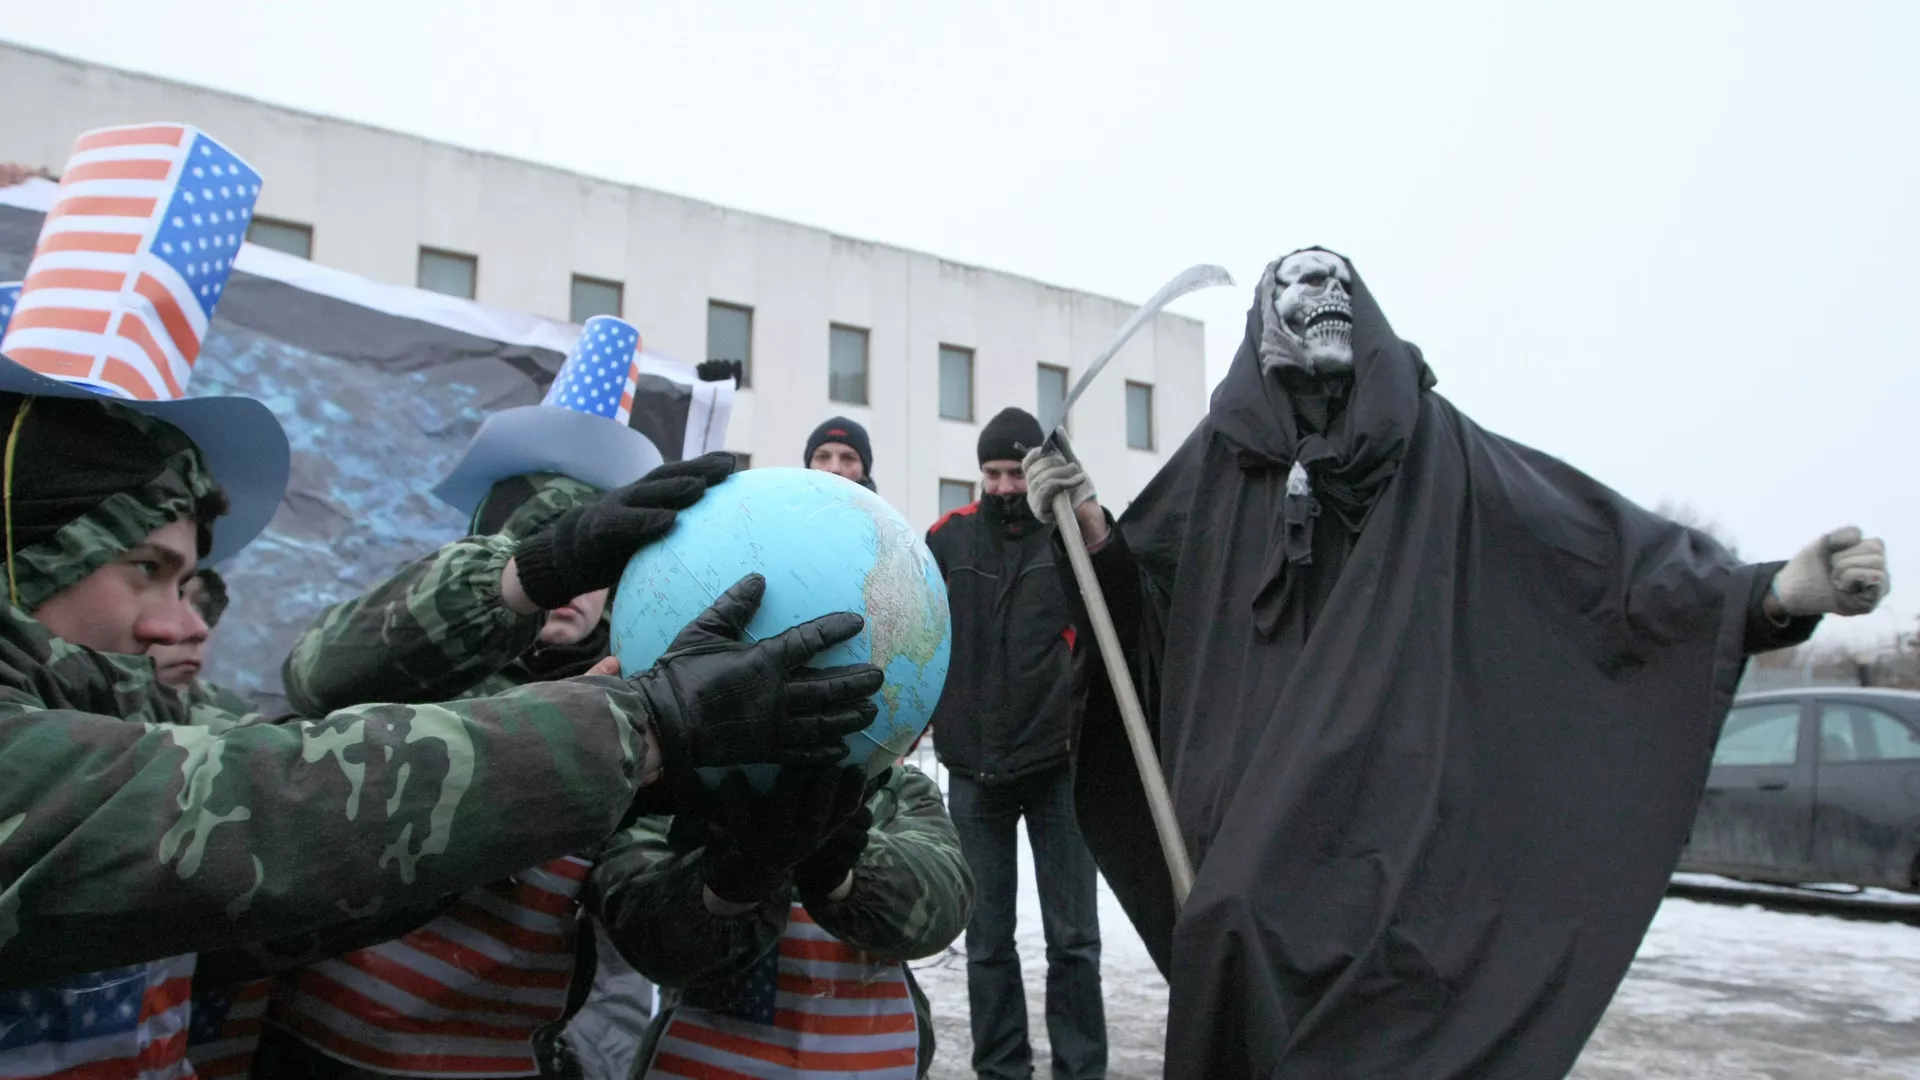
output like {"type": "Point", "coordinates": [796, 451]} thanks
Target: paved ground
{"type": "Point", "coordinates": [1718, 992]}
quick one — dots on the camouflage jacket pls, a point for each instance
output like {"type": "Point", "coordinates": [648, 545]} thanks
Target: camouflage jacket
{"type": "Point", "coordinates": [212, 705]}
{"type": "Point", "coordinates": [128, 833]}
{"type": "Point", "coordinates": [912, 895]}
{"type": "Point", "coordinates": [436, 630]}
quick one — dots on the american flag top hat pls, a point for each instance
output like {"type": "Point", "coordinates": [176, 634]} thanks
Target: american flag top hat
{"type": "Point", "coordinates": [131, 262]}
{"type": "Point", "coordinates": [580, 429]}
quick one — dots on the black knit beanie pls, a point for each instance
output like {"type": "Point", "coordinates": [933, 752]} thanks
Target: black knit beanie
{"type": "Point", "coordinates": [839, 429]}
{"type": "Point", "coordinates": [89, 480]}
{"type": "Point", "coordinates": [1009, 435]}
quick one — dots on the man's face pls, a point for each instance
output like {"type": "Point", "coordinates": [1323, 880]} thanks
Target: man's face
{"type": "Point", "coordinates": [838, 459]}
{"type": "Point", "coordinates": [570, 625]}
{"type": "Point", "coordinates": [134, 602]}
{"type": "Point", "coordinates": [179, 665]}
{"type": "Point", "coordinates": [1003, 478]}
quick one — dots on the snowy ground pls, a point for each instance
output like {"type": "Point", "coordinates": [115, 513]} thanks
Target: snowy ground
{"type": "Point", "coordinates": [1136, 995]}
{"type": "Point", "coordinates": [1718, 992]}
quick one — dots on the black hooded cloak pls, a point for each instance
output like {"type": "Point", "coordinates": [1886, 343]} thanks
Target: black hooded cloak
{"type": "Point", "coordinates": [1434, 724]}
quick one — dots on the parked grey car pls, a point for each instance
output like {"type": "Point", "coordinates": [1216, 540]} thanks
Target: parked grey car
{"type": "Point", "coordinates": [1814, 785]}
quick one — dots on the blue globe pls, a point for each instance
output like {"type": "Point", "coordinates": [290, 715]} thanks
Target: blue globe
{"type": "Point", "coordinates": [824, 544]}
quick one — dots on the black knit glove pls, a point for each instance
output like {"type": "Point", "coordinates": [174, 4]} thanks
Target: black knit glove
{"type": "Point", "coordinates": [587, 548]}
{"type": "Point", "coordinates": [714, 700]}
{"type": "Point", "coordinates": [822, 872]}
{"type": "Point", "coordinates": [754, 841]}
{"type": "Point", "coordinates": [719, 371]}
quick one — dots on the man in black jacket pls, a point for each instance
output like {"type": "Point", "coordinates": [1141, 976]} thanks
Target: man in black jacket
{"type": "Point", "coordinates": [1005, 729]}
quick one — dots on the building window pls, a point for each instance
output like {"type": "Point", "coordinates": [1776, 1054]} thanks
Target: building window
{"type": "Point", "coordinates": [954, 494]}
{"type": "Point", "coordinates": [1139, 416]}
{"type": "Point", "coordinates": [296, 240]}
{"type": "Point", "coordinates": [847, 365]}
{"type": "Point", "coordinates": [956, 383]}
{"type": "Point", "coordinates": [1053, 391]}
{"type": "Point", "coordinates": [592, 296]}
{"type": "Point", "coordinates": [448, 272]}
{"type": "Point", "coordinates": [730, 336]}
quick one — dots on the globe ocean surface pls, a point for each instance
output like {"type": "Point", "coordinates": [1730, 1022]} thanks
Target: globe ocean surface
{"type": "Point", "coordinates": [824, 544]}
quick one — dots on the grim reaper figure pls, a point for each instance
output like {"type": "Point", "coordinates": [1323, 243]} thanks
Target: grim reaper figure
{"type": "Point", "coordinates": [1435, 709]}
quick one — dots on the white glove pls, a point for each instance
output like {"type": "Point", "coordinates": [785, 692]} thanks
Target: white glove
{"type": "Point", "coordinates": [1839, 573]}
{"type": "Point", "coordinates": [1048, 474]}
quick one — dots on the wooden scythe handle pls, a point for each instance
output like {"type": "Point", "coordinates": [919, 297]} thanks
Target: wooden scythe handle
{"type": "Point", "coordinates": [1179, 864]}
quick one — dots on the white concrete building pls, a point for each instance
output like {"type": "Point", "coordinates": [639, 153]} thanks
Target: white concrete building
{"type": "Point", "coordinates": [828, 324]}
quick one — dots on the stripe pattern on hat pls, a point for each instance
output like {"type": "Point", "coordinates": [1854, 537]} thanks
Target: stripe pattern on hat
{"type": "Point", "coordinates": [132, 260]}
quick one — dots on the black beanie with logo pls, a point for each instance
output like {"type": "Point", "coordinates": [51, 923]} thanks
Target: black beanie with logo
{"type": "Point", "coordinates": [841, 430]}
{"type": "Point", "coordinates": [1009, 435]}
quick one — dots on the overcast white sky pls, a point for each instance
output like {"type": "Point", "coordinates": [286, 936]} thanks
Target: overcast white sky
{"type": "Point", "coordinates": [1673, 243]}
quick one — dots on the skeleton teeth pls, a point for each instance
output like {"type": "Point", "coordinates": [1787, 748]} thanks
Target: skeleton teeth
{"type": "Point", "coordinates": [1332, 306]}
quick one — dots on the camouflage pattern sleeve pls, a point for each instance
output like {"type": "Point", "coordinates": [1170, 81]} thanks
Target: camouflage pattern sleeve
{"type": "Point", "coordinates": [124, 840]}
{"type": "Point", "coordinates": [648, 896]}
{"type": "Point", "coordinates": [912, 892]}
{"type": "Point", "coordinates": [211, 705]}
{"type": "Point", "coordinates": [428, 633]}
{"type": "Point", "coordinates": [214, 696]}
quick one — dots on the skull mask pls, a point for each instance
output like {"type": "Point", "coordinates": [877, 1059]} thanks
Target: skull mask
{"type": "Point", "coordinates": [1311, 306]}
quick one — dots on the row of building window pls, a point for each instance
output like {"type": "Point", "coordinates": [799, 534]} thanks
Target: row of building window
{"type": "Point", "coordinates": [730, 337]}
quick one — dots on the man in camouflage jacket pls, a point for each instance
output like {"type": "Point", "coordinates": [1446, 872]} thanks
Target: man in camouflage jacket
{"type": "Point", "coordinates": [440, 628]}
{"type": "Point", "coordinates": [899, 891]}
{"type": "Point", "coordinates": [127, 835]}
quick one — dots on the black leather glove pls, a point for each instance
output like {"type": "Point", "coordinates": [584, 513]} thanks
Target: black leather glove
{"type": "Point", "coordinates": [587, 548]}
{"type": "Point", "coordinates": [714, 700]}
{"type": "Point", "coordinates": [719, 371]}
{"type": "Point", "coordinates": [754, 841]}
{"type": "Point", "coordinates": [822, 872]}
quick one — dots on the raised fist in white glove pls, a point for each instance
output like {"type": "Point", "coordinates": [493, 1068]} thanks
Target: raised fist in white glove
{"type": "Point", "coordinates": [1050, 474]}
{"type": "Point", "coordinates": [1840, 573]}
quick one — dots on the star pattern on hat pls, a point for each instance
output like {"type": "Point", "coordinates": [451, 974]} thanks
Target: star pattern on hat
{"type": "Point", "coordinates": [598, 376]}
{"type": "Point", "coordinates": [201, 232]}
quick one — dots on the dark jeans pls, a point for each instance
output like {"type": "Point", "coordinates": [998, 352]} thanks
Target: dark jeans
{"type": "Point", "coordinates": [986, 815]}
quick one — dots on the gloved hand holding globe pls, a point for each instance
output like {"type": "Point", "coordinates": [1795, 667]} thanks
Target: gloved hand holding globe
{"type": "Point", "coordinates": [824, 546]}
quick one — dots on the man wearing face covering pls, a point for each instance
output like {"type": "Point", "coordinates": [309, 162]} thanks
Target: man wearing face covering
{"type": "Point", "coordinates": [1004, 728]}
{"type": "Point", "coordinates": [1434, 708]}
